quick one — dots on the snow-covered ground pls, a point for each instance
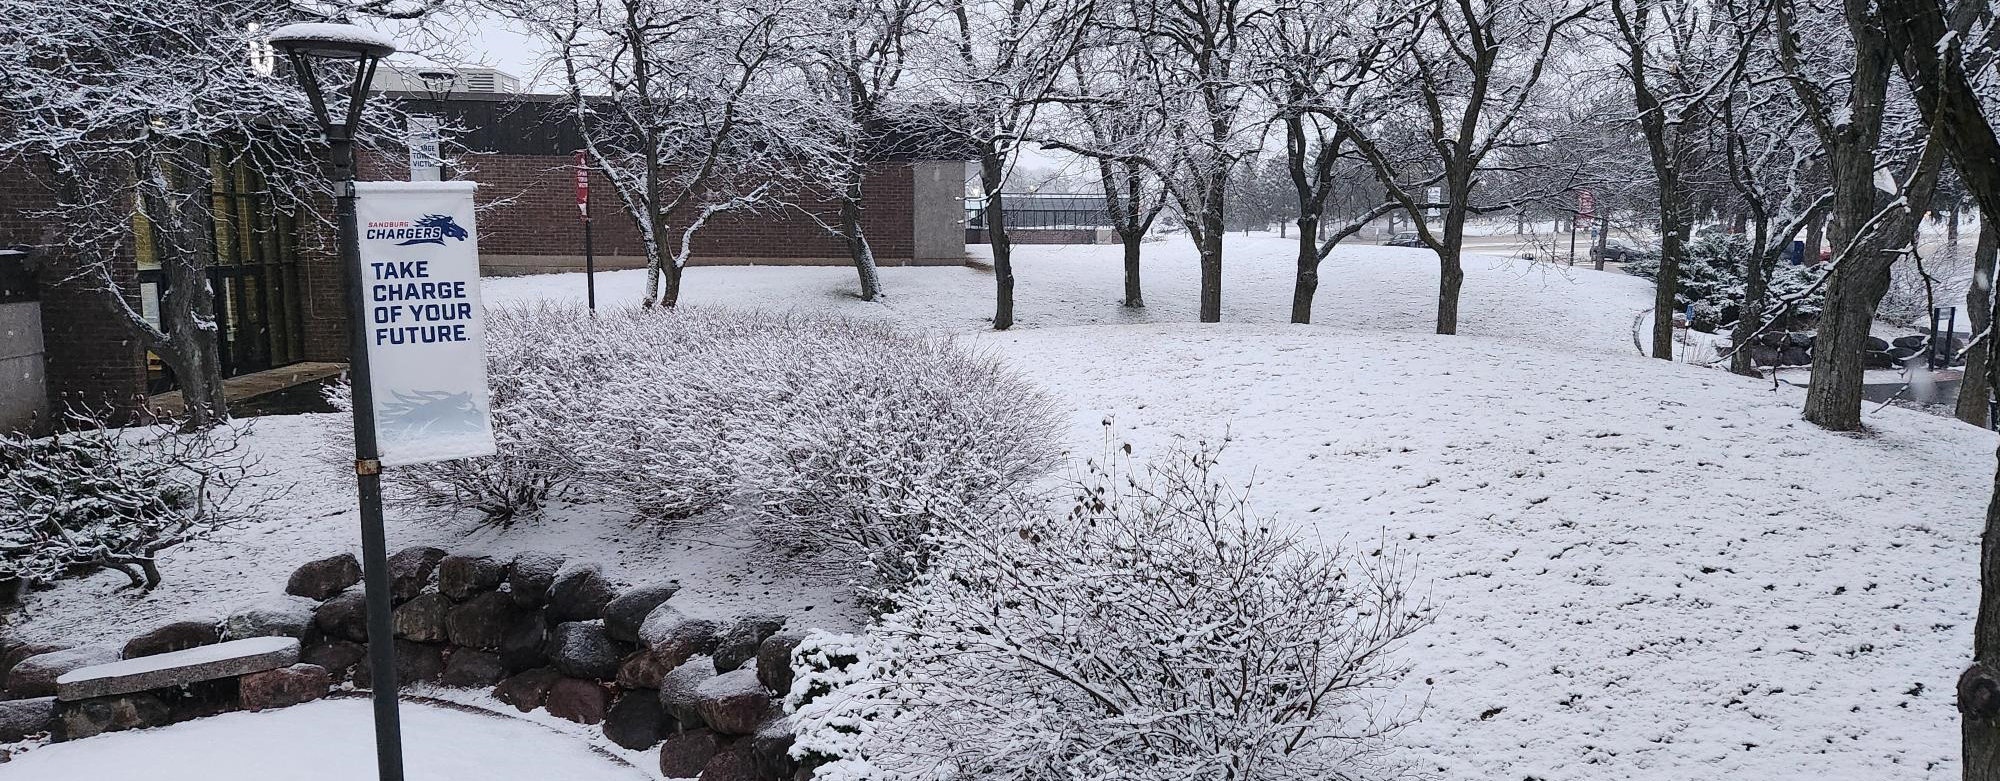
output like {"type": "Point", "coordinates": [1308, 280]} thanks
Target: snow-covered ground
{"type": "Point", "coordinates": [1646, 570]}
{"type": "Point", "coordinates": [330, 740]}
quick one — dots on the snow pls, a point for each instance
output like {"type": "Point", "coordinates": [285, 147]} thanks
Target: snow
{"type": "Point", "coordinates": [1646, 570]}
{"type": "Point", "coordinates": [334, 33]}
{"type": "Point", "coordinates": [328, 740]}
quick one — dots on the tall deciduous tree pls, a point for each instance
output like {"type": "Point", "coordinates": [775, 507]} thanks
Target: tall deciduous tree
{"type": "Point", "coordinates": [1006, 58]}
{"type": "Point", "coordinates": [1475, 72]}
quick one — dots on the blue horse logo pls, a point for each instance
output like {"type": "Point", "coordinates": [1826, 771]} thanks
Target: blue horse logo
{"type": "Point", "coordinates": [445, 226]}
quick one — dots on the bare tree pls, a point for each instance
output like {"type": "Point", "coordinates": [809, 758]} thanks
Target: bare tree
{"type": "Point", "coordinates": [1320, 59]}
{"type": "Point", "coordinates": [127, 112]}
{"type": "Point", "coordinates": [1674, 59]}
{"type": "Point", "coordinates": [846, 63]}
{"type": "Point", "coordinates": [664, 94]}
{"type": "Point", "coordinates": [1881, 185]}
{"type": "Point", "coordinates": [1939, 64]}
{"type": "Point", "coordinates": [1114, 130]}
{"type": "Point", "coordinates": [1476, 71]}
{"type": "Point", "coordinates": [1007, 56]}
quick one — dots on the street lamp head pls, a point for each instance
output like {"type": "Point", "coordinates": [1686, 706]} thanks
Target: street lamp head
{"type": "Point", "coordinates": [332, 41]}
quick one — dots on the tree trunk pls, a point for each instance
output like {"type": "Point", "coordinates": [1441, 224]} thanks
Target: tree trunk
{"type": "Point", "coordinates": [1815, 236]}
{"type": "Point", "coordinates": [1211, 253]}
{"type": "Point", "coordinates": [1750, 313]}
{"type": "Point", "coordinates": [992, 171]}
{"type": "Point", "coordinates": [857, 242]}
{"type": "Point", "coordinates": [670, 292]}
{"type": "Point", "coordinates": [1134, 299]}
{"type": "Point", "coordinates": [1666, 285]}
{"type": "Point", "coordinates": [1974, 394]}
{"type": "Point", "coordinates": [1833, 400]}
{"type": "Point", "coordinates": [1308, 274]}
{"type": "Point", "coordinates": [183, 244]}
{"type": "Point", "coordinates": [1451, 266]}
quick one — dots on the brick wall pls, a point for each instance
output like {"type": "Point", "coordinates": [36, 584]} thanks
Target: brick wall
{"type": "Point", "coordinates": [528, 219]}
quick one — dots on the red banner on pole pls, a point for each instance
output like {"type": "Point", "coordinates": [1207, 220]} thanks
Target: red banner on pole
{"type": "Point", "coordinates": [1586, 207]}
{"type": "Point", "coordinates": [582, 187]}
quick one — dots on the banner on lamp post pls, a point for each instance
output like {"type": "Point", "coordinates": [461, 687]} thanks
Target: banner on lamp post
{"type": "Point", "coordinates": [426, 331]}
{"type": "Point", "coordinates": [582, 186]}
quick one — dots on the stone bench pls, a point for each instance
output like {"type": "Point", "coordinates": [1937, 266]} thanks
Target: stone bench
{"type": "Point", "coordinates": [178, 668]}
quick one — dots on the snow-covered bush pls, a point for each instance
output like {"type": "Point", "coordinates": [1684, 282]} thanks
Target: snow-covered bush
{"type": "Point", "coordinates": [97, 498]}
{"type": "Point", "coordinates": [1157, 630]}
{"type": "Point", "coordinates": [871, 439]}
{"type": "Point", "coordinates": [835, 434]}
{"type": "Point", "coordinates": [1712, 279]}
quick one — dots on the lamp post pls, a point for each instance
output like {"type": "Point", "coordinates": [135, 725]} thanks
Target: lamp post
{"type": "Point", "coordinates": [304, 44]}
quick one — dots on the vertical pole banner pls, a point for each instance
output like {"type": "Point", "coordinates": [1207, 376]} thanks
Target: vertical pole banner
{"type": "Point", "coordinates": [426, 331]}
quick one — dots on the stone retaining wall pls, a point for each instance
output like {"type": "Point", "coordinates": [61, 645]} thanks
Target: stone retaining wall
{"type": "Point", "coordinates": [705, 690]}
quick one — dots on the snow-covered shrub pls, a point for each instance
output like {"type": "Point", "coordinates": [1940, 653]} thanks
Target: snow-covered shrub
{"type": "Point", "coordinates": [1713, 280]}
{"type": "Point", "coordinates": [871, 439]}
{"type": "Point", "coordinates": [835, 699]}
{"type": "Point", "coordinates": [836, 434]}
{"type": "Point", "coordinates": [1157, 630]}
{"type": "Point", "coordinates": [97, 498]}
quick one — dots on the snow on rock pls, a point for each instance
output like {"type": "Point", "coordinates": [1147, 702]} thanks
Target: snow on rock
{"type": "Point", "coordinates": [330, 740]}
{"type": "Point", "coordinates": [201, 663]}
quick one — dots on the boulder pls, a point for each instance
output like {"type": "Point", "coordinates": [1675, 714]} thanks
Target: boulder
{"type": "Point", "coordinates": [96, 716]}
{"type": "Point", "coordinates": [679, 694]}
{"type": "Point", "coordinates": [469, 669]}
{"type": "Point", "coordinates": [579, 595]}
{"type": "Point", "coordinates": [1794, 356]}
{"type": "Point", "coordinates": [421, 619]}
{"type": "Point", "coordinates": [732, 763]}
{"type": "Point", "coordinates": [482, 621]}
{"type": "Point", "coordinates": [530, 576]}
{"type": "Point", "coordinates": [527, 690]}
{"type": "Point", "coordinates": [338, 656]}
{"type": "Point", "coordinates": [675, 637]}
{"type": "Point", "coordinates": [36, 675]}
{"type": "Point", "coordinates": [774, 660]}
{"type": "Point", "coordinates": [176, 636]}
{"type": "Point", "coordinates": [578, 700]}
{"type": "Point", "coordinates": [284, 687]}
{"type": "Point", "coordinates": [734, 703]}
{"type": "Point", "coordinates": [636, 720]}
{"type": "Point", "coordinates": [279, 615]}
{"type": "Point", "coordinates": [1800, 339]}
{"type": "Point", "coordinates": [1878, 344]}
{"type": "Point", "coordinates": [415, 663]}
{"type": "Point", "coordinates": [641, 670]}
{"type": "Point", "coordinates": [459, 577]}
{"type": "Point", "coordinates": [1913, 343]}
{"type": "Point", "coordinates": [625, 613]}
{"type": "Point", "coordinates": [685, 753]}
{"type": "Point", "coordinates": [737, 642]}
{"type": "Point", "coordinates": [523, 644]}
{"type": "Point", "coordinates": [1775, 339]}
{"type": "Point", "coordinates": [410, 571]}
{"type": "Point", "coordinates": [21, 718]}
{"type": "Point", "coordinates": [320, 580]}
{"type": "Point", "coordinates": [771, 749]}
{"type": "Point", "coordinates": [583, 650]}
{"type": "Point", "coordinates": [1762, 355]}
{"type": "Point", "coordinates": [345, 616]}
{"type": "Point", "coordinates": [14, 652]}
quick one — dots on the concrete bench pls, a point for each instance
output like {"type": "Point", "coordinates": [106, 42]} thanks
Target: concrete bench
{"type": "Point", "coordinates": [178, 668]}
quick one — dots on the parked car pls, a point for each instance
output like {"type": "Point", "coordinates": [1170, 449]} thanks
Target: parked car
{"type": "Point", "coordinates": [1617, 252]}
{"type": "Point", "coordinates": [1404, 239]}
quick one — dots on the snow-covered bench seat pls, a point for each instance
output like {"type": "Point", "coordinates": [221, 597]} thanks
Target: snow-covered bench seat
{"type": "Point", "coordinates": [178, 668]}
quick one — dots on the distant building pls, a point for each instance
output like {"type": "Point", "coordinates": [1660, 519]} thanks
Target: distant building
{"type": "Point", "coordinates": [403, 77]}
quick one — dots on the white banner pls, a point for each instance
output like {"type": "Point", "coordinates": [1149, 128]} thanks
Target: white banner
{"type": "Point", "coordinates": [426, 148]}
{"type": "Point", "coordinates": [426, 331]}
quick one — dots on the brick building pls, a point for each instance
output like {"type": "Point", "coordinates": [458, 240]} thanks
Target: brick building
{"type": "Point", "coordinates": [279, 290]}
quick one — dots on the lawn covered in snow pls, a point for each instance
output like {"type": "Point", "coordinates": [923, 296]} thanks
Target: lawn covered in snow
{"type": "Point", "coordinates": [1645, 570]}
{"type": "Point", "coordinates": [329, 740]}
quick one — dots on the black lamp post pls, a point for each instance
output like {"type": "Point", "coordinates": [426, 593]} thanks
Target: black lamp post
{"type": "Point", "coordinates": [305, 43]}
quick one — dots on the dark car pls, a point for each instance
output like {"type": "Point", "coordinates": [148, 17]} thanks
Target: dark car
{"type": "Point", "coordinates": [1617, 252]}
{"type": "Point", "coordinates": [1405, 239]}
